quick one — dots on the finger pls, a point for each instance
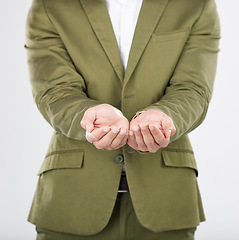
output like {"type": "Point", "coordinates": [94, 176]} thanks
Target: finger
{"type": "Point", "coordinates": [131, 136]}
{"type": "Point", "coordinates": [118, 140]}
{"type": "Point", "coordinates": [89, 136]}
{"type": "Point", "coordinates": [168, 127]}
{"type": "Point", "coordinates": [97, 134]}
{"type": "Point", "coordinates": [107, 139]}
{"type": "Point", "coordinates": [152, 146]}
{"type": "Point", "coordinates": [131, 140]}
{"type": "Point", "coordinates": [88, 119]}
{"type": "Point", "coordinates": [158, 136]}
{"type": "Point", "coordinates": [139, 138]}
{"type": "Point", "coordinates": [146, 134]}
{"type": "Point", "coordinates": [124, 140]}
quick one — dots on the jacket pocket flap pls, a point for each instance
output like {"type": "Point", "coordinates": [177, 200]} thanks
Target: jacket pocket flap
{"type": "Point", "coordinates": [179, 159]}
{"type": "Point", "coordinates": [62, 160]}
{"type": "Point", "coordinates": [168, 36]}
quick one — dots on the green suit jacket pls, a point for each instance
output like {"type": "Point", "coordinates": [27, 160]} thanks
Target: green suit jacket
{"type": "Point", "coordinates": [75, 64]}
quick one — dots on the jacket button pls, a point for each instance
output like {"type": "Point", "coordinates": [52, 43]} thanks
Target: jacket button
{"type": "Point", "coordinates": [119, 158]}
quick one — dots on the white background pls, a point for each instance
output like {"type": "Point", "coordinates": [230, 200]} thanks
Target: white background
{"type": "Point", "coordinates": [25, 135]}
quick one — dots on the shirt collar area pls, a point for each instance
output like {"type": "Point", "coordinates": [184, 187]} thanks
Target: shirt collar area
{"type": "Point", "coordinates": [124, 2]}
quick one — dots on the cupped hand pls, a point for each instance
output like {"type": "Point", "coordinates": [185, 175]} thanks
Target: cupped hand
{"type": "Point", "coordinates": [150, 131]}
{"type": "Point", "coordinates": [106, 127]}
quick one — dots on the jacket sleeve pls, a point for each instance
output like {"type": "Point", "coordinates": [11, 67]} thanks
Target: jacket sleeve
{"type": "Point", "coordinates": [58, 89]}
{"type": "Point", "coordinates": [189, 90]}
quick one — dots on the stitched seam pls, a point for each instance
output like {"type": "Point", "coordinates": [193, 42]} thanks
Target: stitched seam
{"type": "Point", "coordinates": [44, 6]}
{"type": "Point", "coordinates": [200, 13]}
{"type": "Point", "coordinates": [64, 151]}
{"type": "Point", "coordinates": [172, 32]}
{"type": "Point", "coordinates": [155, 40]}
{"type": "Point", "coordinates": [178, 150]}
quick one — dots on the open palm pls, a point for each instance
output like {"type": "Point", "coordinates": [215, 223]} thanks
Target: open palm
{"type": "Point", "coordinates": [105, 126]}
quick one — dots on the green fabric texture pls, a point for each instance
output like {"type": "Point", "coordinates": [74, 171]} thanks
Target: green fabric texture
{"type": "Point", "coordinates": [123, 225]}
{"type": "Point", "coordinates": [74, 64]}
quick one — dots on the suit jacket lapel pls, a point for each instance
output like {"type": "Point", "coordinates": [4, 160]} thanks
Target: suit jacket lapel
{"type": "Point", "coordinates": [150, 13]}
{"type": "Point", "coordinates": [97, 13]}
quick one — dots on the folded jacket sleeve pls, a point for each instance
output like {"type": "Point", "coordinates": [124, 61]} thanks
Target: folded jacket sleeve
{"type": "Point", "coordinates": [58, 89]}
{"type": "Point", "coordinates": [190, 88]}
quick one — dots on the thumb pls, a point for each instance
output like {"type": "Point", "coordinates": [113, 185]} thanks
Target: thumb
{"type": "Point", "coordinates": [88, 120]}
{"type": "Point", "coordinates": [168, 127]}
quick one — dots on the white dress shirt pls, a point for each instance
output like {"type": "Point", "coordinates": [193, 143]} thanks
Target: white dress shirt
{"type": "Point", "coordinates": [124, 15]}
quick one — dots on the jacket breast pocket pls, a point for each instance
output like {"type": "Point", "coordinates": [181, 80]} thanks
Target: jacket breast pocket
{"type": "Point", "coordinates": [62, 160]}
{"type": "Point", "coordinates": [179, 159]}
{"type": "Point", "coordinates": [170, 36]}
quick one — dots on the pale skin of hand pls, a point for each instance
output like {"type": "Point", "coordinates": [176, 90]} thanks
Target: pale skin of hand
{"type": "Point", "coordinates": [150, 131]}
{"type": "Point", "coordinates": [106, 127]}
